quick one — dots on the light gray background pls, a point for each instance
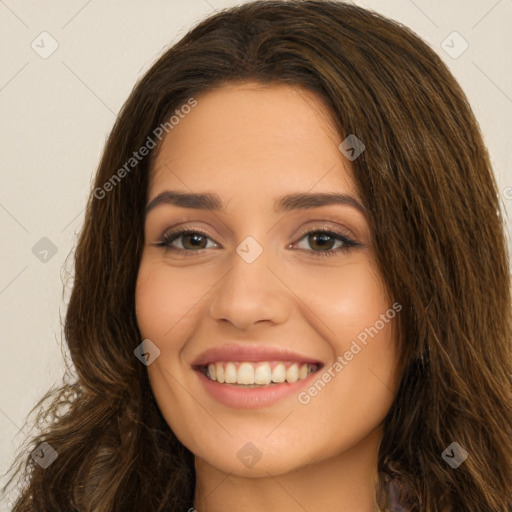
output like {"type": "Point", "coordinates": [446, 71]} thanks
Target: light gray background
{"type": "Point", "coordinates": [57, 112]}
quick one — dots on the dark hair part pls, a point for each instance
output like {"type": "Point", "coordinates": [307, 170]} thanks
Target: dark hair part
{"type": "Point", "coordinates": [440, 245]}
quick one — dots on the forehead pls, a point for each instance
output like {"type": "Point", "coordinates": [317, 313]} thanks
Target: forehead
{"type": "Point", "coordinates": [253, 137]}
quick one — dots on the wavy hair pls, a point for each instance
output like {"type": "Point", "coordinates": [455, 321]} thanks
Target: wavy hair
{"type": "Point", "coordinates": [439, 240]}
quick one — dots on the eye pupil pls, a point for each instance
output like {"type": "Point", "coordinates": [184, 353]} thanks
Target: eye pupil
{"type": "Point", "coordinates": [196, 240]}
{"type": "Point", "coordinates": [322, 238]}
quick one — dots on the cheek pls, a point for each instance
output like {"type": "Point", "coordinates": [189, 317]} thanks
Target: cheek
{"type": "Point", "coordinates": [341, 301]}
{"type": "Point", "coordinates": [351, 309]}
{"type": "Point", "coordinates": [364, 313]}
{"type": "Point", "coordinates": [164, 298]}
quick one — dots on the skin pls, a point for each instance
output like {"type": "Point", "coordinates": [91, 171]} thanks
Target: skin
{"type": "Point", "coordinates": [250, 144]}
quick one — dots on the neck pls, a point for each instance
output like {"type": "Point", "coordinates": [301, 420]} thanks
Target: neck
{"type": "Point", "coordinates": [342, 483]}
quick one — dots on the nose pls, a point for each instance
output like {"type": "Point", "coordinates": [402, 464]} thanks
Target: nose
{"type": "Point", "coordinates": [251, 293]}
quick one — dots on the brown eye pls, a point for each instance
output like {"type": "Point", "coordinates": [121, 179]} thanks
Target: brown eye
{"type": "Point", "coordinates": [322, 242]}
{"type": "Point", "coordinates": [190, 240]}
{"type": "Point", "coordinates": [196, 240]}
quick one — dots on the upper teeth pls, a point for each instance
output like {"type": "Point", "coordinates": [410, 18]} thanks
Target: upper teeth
{"type": "Point", "coordinates": [262, 373]}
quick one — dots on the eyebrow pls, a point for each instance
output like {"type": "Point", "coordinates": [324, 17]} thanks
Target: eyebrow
{"type": "Point", "coordinates": [287, 203]}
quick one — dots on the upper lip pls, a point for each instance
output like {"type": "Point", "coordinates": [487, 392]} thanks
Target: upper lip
{"type": "Point", "coordinates": [250, 353]}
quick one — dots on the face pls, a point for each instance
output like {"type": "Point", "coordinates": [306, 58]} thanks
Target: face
{"type": "Point", "coordinates": [263, 286]}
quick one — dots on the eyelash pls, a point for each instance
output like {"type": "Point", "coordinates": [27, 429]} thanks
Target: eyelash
{"type": "Point", "coordinates": [170, 236]}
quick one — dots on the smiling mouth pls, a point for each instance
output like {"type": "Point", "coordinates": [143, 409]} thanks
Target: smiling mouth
{"type": "Point", "coordinates": [257, 374]}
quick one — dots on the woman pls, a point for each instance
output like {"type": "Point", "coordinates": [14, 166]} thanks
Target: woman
{"type": "Point", "coordinates": [223, 360]}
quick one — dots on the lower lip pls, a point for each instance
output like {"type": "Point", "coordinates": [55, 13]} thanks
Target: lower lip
{"type": "Point", "coordinates": [252, 398]}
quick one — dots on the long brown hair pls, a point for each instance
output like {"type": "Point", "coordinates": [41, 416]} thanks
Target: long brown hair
{"type": "Point", "coordinates": [439, 242]}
